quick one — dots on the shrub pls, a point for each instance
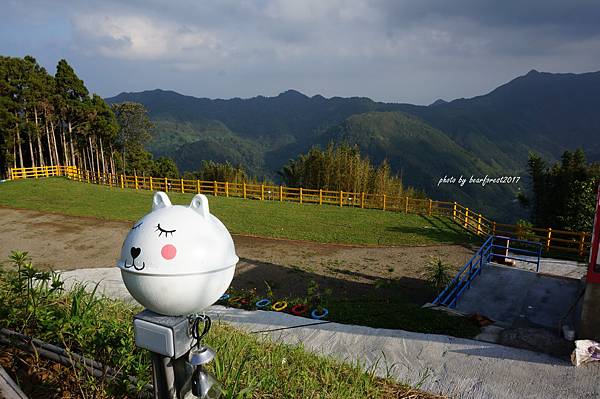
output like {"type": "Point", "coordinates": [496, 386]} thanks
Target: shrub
{"type": "Point", "coordinates": [438, 274]}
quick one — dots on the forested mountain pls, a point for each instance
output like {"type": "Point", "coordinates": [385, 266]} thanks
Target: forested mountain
{"type": "Point", "coordinates": [490, 134]}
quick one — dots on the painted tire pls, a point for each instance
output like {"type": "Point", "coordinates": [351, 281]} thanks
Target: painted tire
{"type": "Point", "coordinates": [316, 316]}
{"type": "Point", "coordinates": [263, 303]}
{"type": "Point", "coordinates": [235, 299]}
{"type": "Point", "coordinates": [299, 309]}
{"type": "Point", "coordinates": [244, 301]}
{"type": "Point", "coordinates": [279, 306]}
{"type": "Point", "coordinates": [224, 297]}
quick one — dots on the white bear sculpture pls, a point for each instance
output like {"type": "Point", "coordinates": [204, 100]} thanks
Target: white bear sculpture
{"type": "Point", "coordinates": [177, 260]}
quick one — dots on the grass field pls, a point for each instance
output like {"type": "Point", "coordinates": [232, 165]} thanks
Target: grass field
{"type": "Point", "coordinates": [325, 223]}
{"type": "Point", "coordinates": [385, 306]}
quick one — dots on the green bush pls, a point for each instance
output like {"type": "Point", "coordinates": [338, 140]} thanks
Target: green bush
{"type": "Point", "coordinates": [438, 274]}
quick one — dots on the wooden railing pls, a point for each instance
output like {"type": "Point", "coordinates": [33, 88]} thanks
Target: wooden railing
{"type": "Point", "coordinates": [555, 241]}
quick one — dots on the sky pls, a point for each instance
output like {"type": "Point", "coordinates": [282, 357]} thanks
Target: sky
{"type": "Point", "coordinates": [389, 50]}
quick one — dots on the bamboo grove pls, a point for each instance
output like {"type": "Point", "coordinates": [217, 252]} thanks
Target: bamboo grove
{"type": "Point", "coordinates": [342, 167]}
{"type": "Point", "coordinates": [50, 120]}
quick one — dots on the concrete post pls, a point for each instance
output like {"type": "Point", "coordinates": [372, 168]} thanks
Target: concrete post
{"type": "Point", "coordinates": [589, 327]}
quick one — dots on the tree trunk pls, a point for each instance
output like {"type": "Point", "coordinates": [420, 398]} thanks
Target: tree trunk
{"type": "Point", "coordinates": [64, 145]}
{"type": "Point", "coordinates": [91, 154]}
{"type": "Point", "coordinates": [97, 155]}
{"type": "Point", "coordinates": [39, 137]}
{"type": "Point", "coordinates": [31, 154]}
{"type": "Point", "coordinates": [54, 143]}
{"type": "Point", "coordinates": [71, 143]}
{"type": "Point", "coordinates": [14, 154]}
{"type": "Point", "coordinates": [48, 139]}
{"type": "Point", "coordinates": [19, 145]}
{"type": "Point", "coordinates": [85, 166]}
{"type": "Point", "coordinates": [40, 151]}
{"type": "Point", "coordinates": [102, 154]}
{"type": "Point", "coordinates": [112, 161]}
{"type": "Point", "coordinates": [123, 160]}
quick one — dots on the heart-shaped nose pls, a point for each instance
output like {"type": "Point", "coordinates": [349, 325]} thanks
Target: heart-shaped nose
{"type": "Point", "coordinates": [135, 252]}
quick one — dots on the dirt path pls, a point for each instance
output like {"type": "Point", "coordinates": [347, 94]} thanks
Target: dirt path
{"type": "Point", "coordinates": [66, 242]}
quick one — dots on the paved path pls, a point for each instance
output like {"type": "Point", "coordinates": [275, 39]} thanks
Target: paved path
{"type": "Point", "coordinates": [459, 367]}
{"type": "Point", "coordinates": [520, 297]}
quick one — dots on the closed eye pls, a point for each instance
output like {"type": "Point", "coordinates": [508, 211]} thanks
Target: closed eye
{"type": "Point", "coordinates": [163, 231]}
{"type": "Point", "coordinates": [136, 226]}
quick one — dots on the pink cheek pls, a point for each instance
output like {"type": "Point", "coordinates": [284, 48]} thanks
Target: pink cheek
{"type": "Point", "coordinates": [168, 252]}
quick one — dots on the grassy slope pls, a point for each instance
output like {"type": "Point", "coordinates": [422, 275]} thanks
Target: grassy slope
{"type": "Point", "coordinates": [271, 219]}
{"type": "Point", "coordinates": [274, 219]}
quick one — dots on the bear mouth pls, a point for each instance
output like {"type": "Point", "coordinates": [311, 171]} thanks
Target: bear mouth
{"type": "Point", "coordinates": [136, 267]}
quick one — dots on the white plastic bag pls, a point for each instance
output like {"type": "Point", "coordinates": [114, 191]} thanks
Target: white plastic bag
{"type": "Point", "coordinates": [585, 351]}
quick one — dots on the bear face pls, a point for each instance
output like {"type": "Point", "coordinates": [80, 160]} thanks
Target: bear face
{"type": "Point", "coordinates": [177, 260]}
{"type": "Point", "coordinates": [174, 239]}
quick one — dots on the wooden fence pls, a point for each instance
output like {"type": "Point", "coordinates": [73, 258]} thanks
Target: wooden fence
{"type": "Point", "coordinates": [556, 241]}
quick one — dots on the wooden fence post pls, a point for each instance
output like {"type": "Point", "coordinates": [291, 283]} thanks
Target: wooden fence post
{"type": "Point", "coordinates": [479, 224]}
{"type": "Point", "coordinates": [548, 238]}
{"type": "Point", "coordinates": [244, 190]}
{"type": "Point", "coordinates": [362, 200]}
{"type": "Point", "coordinates": [321, 196]}
{"type": "Point", "coordinates": [581, 243]}
{"type": "Point", "coordinates": [136, 182]}
{"type": "Point", "coordinates": [87, 175]}
{"type": "Point", "coordinates": [227, 189]}
{"type": "Point", "coordinates": [341, 199]}
{"type": "Point", "coordinates": [215, 188]}
{"type": "Point", "coordinates": [383, 207]}
{"type": "Point", "coordinates": [122, 182]}
{"type": "Point", "coordinates": [262, 192]}
{"type": "Point", "coordinates": [300, 194]}
{"type": "Point", "coordinates": [197, 186]}
{"type": "Point", "coordinates": [454, 211]}
{"type": "Point", "coordinates": [46, 170]}
{"type": "Point", "coordinates": [280, 193]}
{"type": "Point", "coordinates": [493, 228]}
{"type": "Point", "coordinates": [151, 188]}
{"type": "Point", "coordinates": [166, 185]}
{"type": "Point", "coordinates": [406, 206]}
{"type": "Point", "coordinates": [182, 187]}
{"type": "Point", "coordinates": [466, 217]}
{"type": "Point", "coordinates": [430, 206]}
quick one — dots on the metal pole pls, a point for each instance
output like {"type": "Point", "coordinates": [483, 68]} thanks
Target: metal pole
{"type": "Point", "coordinates": [163, 377]}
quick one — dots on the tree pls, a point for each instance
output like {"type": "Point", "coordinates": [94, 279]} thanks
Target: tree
{"type": "Point", "coordinates": [563, 195]}
{"type": "Point", "coordinates": [343, 168]}
{"type": "Point", "coordinates": [135, 128]}
{"type": "Point", "coordinates": [165, 167]}
{"type": "Point", "coordinates": [73, 104]}
{"type": "Point", "coordinates": [104, 126]}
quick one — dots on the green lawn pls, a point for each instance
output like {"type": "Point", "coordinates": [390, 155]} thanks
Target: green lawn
{"type": "Point", "coordinates": [263, 218]}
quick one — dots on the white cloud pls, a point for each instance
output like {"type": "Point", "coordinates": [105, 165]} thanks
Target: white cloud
{"type": "Point", "coordinates": [142, 38]}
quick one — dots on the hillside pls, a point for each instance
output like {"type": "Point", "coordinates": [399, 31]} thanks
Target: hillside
{"type": "Point", "coordinates": [493, 133]}
{"type": "Point", "coordinates": [540, 111]}
{"type": "Point", "coordinates": [423, 155]}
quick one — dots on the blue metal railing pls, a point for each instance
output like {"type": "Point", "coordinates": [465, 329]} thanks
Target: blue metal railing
{"type": "Point", "coordinates": [519, 251]}
{"type": "Point", "coordinates": [457, 286]}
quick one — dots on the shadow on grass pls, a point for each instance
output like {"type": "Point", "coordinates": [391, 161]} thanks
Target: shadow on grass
{"type": "Point", "coordinates": [440, 229]}
{"type": "Point", "coordinates": [380, 302]}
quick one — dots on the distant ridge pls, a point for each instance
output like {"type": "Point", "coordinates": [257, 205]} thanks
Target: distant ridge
{"type": "Point", "coordinates": [491, 133]}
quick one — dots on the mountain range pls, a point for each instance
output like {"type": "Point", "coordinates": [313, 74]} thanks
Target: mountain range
{"type": "Point", "coordinates": [490, 134]}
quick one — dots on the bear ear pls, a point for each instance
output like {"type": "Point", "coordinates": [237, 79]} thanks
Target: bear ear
{"type": "Point", "coordinates": [200, 205]}
{"type": "Point", "coordinates": [160, 200]}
